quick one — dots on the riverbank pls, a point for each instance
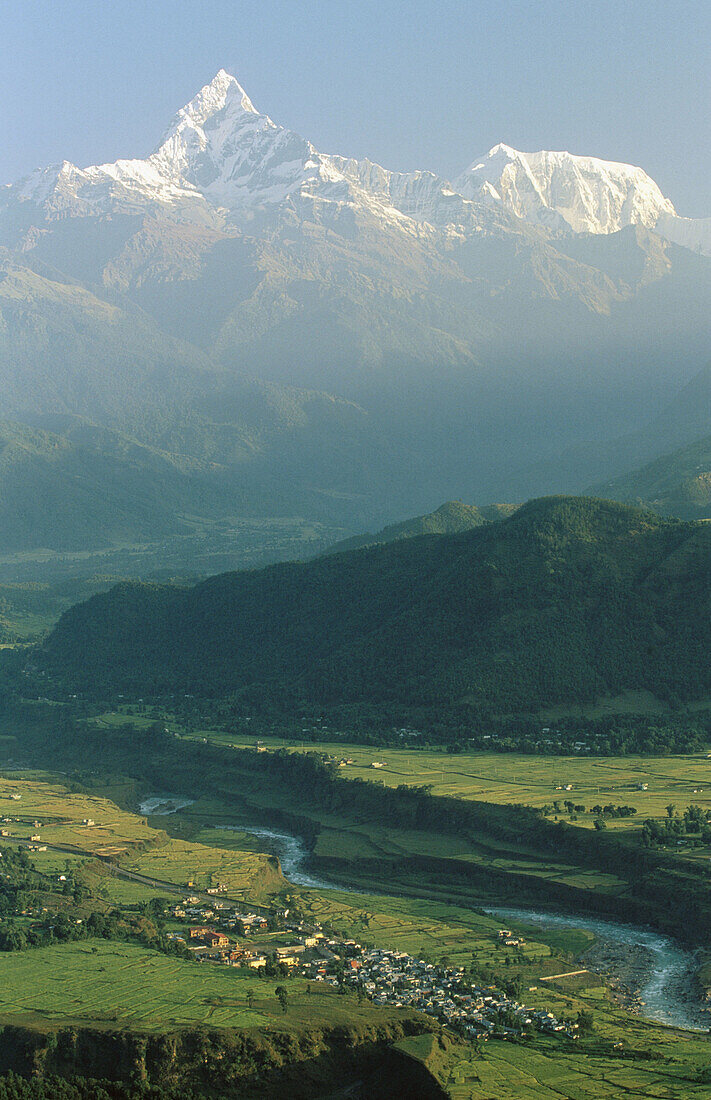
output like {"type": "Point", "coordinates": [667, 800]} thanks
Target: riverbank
{"type": "Point", "coordinates": [650, 974]}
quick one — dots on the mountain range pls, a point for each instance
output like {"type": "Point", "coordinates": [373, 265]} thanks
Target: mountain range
{"type": "Point", "coordinates": [241, 325]}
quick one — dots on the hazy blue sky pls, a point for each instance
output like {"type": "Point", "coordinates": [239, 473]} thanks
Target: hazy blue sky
{"type": "Point", "coordinates": [410, 84]}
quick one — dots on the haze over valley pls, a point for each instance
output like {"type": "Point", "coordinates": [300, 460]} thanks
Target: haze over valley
{"type": "Point", "coordinates": [242, 326]}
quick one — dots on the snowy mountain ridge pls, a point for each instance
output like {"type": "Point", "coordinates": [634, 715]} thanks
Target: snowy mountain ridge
{"type": "Point", "coordinates": [559, 189]}
{"type": "Point", "coordinates": [220, 153]}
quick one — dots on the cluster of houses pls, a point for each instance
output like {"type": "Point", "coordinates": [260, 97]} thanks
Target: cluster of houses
{"type": "Point", "coordinates": [547, 743]}
{"type": "Point", "coordinates": [508, 939]}
{"type": "Point", "coordinates": [216, 942]}
{"type": "Point", "coordinates": [400, 980]}
{"type": "Point", "coordinates": [228, 937]}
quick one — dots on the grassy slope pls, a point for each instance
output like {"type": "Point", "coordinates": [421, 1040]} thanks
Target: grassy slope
{"type": "Point", "coordinates": [85, 486]}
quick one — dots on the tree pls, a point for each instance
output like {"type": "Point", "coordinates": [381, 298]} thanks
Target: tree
{"type": "Point", "coordinates": [585, 1021]}
{"type": "Point", "coordinates": [250, 998]}
{"type": "Point", "coordinates": [283, 997]}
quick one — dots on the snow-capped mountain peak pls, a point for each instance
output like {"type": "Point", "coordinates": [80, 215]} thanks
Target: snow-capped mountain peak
{"type": "Point", "coordinates": [219, 105]}
{"type": "Point", "coordinates": [584, 194]}
{"type": "Point", "coordinates": [215, 138]}
{"type": "Point", "coordinates": [213, 98]}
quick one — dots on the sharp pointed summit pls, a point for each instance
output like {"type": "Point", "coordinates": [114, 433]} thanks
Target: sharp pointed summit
{"type": "Point", "coordinates": [238, 250]}
{"type": "Point", "coordinates": [221, 93]}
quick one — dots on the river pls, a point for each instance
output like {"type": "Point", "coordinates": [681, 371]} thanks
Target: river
{"type": "Point", "coordinates": [293, 856]}
{"type": "Point", "coordinates": [659, 967]}
{"type": "Point", "coordinates": [160, 805]}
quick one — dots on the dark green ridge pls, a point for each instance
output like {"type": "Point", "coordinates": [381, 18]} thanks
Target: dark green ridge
{"type": "Point", "coordinates": [449, 519]}
{"type": "Point", "coordinates": [568, 599]}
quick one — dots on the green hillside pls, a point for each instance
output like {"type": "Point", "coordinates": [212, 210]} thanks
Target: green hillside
{"type": "Point", "coordinates": [87, 486]}
{"type": "Point", "coordinates": [677, 484]}
{"type": "Point", "coordinates": [567, 600]}
{"type": "Point", "coordinates": [449, 519]}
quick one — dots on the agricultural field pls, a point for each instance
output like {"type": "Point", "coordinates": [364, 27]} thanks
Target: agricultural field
{"type": "Point", "coordinates": [542, 1071]}
{"type": "Point", "coordinates": [407, 924]}
{"type": "Point", "coordinates": [126, 984]}
{"type": "Point", "coordinates": [429, 929]}
{"type": "Point", "coordinates": [367, 841]}
{"type": "Point", "coordinates": [352, 841]}
{"type": "Point", "coordinates": [216, 855]}
{"type": "Point", "coordinates": [123, 837]}
{"type": "Point", "coordinates": [76, 822]}
{"type": "Point", "coordinates": [95, 982]}
{"type": "Point", "coordinates": [623, 1056]}
{"type": "Point", "coordinates": [215, 862]}
{"type": "Point", "coordinates": [525, 779]}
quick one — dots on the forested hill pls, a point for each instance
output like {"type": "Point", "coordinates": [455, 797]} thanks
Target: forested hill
{"type": "Point", "coordinates": [677, 484]}
{"type": "Point", "coordinates": [568, 599]}
{"type": "Point", "coordinates": [449, 519]}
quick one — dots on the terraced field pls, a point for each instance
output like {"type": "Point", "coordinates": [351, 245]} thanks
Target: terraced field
{"type": "Point", "coordinates": [529, 780]}
{"type": "Point", "coordinates": [510, 1072]}
{"type": "Point", "coordinates": [62, 813]}
{"type": "Point", "coordinates": [632, 1060]}
{"type": "Point", "coordinates": [95, 982]}
{"type": "Point", "coordinates": [126, 838]}
{"type": "Point", "coordinates": [206, 865]}
{"type": "Point", "coordinates": [116, 984]}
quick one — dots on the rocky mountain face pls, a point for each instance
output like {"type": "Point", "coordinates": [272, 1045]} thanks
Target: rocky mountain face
{"type": "Point", "coordinates": [345, 341]}
{"type": "Point", "coordinates": [563, 192]}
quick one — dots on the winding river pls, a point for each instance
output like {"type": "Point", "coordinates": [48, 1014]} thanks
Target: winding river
{"type": "Point", "coordinates": [293, 856]}
{"type": "Point", "coordinates": [665, 977]}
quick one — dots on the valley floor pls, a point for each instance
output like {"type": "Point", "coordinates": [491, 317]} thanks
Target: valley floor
{"type": "Point", "coordinates": [90, 824]}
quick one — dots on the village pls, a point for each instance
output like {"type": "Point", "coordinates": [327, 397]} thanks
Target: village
{"type": "Point", "coordinates": [386, 977]}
